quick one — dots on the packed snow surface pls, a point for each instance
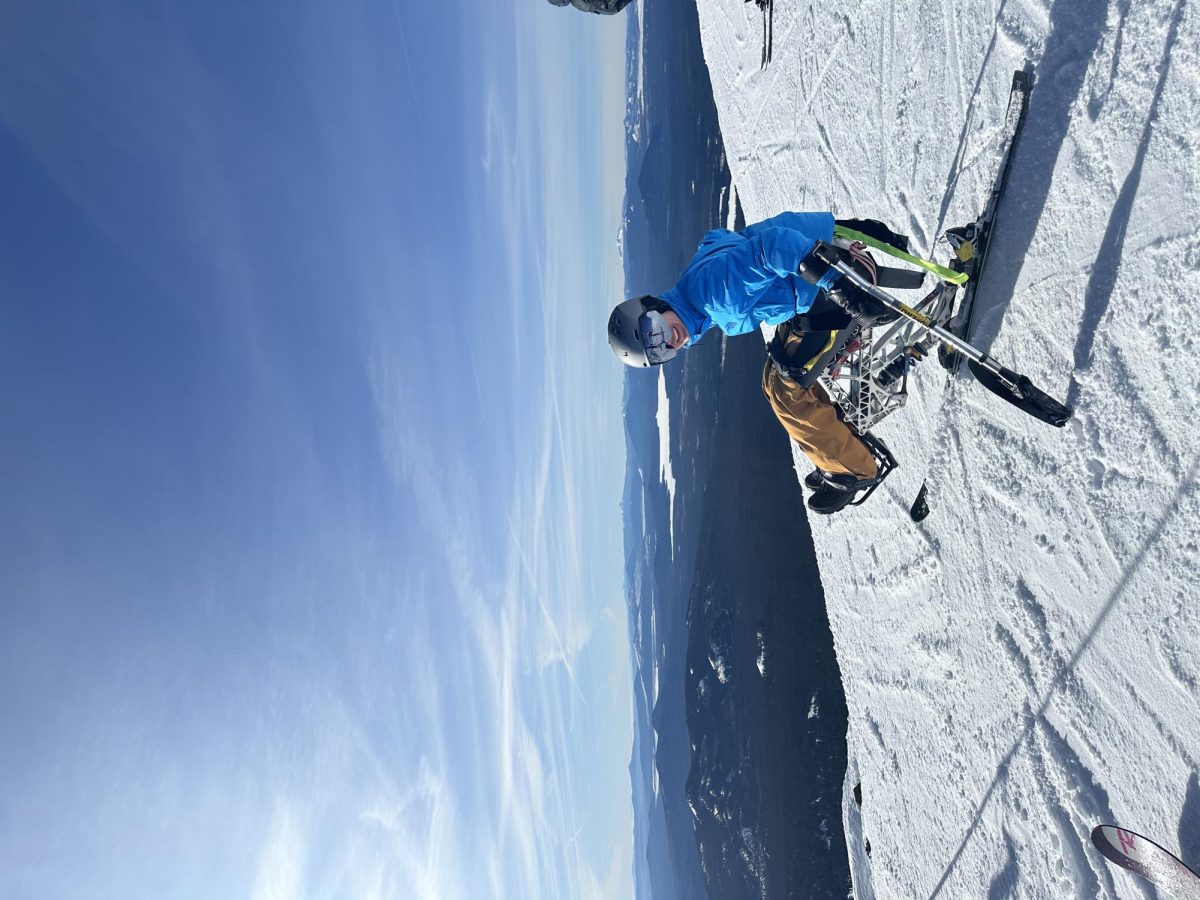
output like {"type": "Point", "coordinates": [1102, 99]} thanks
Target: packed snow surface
{"type": "Point", "coordinates": [1025, 664]}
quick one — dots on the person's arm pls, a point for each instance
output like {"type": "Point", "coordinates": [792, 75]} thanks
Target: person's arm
{"type": "Point", "coordinates": [733, 281]}
{"type": "Point", "coordinates": [777, 251]}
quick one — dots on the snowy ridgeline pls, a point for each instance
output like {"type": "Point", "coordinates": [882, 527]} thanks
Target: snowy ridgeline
{"type": "Point", "coordinates": [1025, 664]}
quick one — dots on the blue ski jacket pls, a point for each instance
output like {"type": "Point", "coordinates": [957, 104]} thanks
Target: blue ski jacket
{"type": "Point", "coordinates": [739, 279]}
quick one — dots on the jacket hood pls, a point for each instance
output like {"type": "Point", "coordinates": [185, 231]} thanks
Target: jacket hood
{"type": "Point", "coordinates": [696, 320]}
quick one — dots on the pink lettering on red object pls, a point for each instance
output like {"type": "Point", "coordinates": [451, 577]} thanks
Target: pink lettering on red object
{"type": "Point", "coordinates": [1126, 840]}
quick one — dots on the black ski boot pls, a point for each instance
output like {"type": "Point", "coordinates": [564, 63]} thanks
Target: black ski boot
{"type": "Point", "coordinates": [836, 492]}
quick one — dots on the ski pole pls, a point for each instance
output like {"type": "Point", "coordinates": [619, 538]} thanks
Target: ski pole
{"type": "Point", "coordinates": [1004, 382]}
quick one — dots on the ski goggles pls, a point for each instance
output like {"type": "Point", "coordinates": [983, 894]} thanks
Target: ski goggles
{"type": "Point", "coordinates": [655, 334]}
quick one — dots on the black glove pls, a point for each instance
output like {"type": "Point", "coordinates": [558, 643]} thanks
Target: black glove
{"type": "Point", "coordinates": [816, 266]}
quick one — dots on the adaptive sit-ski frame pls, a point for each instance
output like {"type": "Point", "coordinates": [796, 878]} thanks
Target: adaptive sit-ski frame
{"type": "Point", "coordinates": [868, 379]}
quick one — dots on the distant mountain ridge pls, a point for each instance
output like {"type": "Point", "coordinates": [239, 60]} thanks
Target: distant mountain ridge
{"type": "Point", "coordinates": [603, 7]}
{"type": "Point", "coordinates": [709, 773]}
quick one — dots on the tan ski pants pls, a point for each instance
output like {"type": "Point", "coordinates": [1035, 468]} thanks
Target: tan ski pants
{"type": "Point", "coordinates": [813, 422]}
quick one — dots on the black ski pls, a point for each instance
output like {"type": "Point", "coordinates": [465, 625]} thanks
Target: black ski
{"type": "Point", "coordinates": [972, 242]}
{"type": "Point", "coordinates": [1144, 857]}
{"type": "Point", "coordinates": [768, 11]}
{"type": "Point", "coordinates": [970, 245]}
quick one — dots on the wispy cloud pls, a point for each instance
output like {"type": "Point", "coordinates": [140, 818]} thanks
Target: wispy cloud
{"type": "Point", "coordinates": [531, 625]}
{"type": "Point", "coordinates": [281, 865]}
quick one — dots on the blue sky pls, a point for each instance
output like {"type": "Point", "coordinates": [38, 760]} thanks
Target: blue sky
{"type": "Point", "coordinates": [311, 451]}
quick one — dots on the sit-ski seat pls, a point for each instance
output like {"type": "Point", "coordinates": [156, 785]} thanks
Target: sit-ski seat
{"type": "Point", "coordinates": [826, 330]}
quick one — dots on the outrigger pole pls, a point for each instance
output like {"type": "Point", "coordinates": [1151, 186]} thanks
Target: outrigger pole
{"type": "Point", "coordinates": [1004, 382]}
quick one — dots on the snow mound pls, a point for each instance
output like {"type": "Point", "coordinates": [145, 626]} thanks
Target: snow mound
{"type": "Point", "coordinates": [1025, 664]}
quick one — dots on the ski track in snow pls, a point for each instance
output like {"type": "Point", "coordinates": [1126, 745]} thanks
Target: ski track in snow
{"type": "Point", "coordinates": [1025, 664]}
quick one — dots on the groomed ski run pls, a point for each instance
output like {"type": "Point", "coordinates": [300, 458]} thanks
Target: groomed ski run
{"type": "Point", "coordinates": [1024, 664]}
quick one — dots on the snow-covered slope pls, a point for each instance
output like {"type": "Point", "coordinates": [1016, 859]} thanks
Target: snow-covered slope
{"type": "Point", "coordinates": [1025, 664]}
